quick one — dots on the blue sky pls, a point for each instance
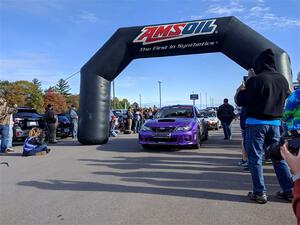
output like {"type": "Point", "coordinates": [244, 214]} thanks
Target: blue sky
{"type": "Point", "coordinates": [52, 39]}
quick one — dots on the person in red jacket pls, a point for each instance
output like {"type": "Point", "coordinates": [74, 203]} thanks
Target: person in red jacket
{"type": "Point", "coordinates": [294, 163]}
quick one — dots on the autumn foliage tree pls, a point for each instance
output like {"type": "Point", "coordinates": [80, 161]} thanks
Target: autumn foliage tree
{"type": "Point", "coordinates": [73, 100]}
{"type": "Point", "coordinates": [23, 93]}
{"type": "Point", "coordinates": [57, 100]}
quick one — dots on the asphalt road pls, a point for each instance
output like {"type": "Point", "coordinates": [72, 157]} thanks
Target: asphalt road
{"type": "Point", "coordinates": [119, 183]}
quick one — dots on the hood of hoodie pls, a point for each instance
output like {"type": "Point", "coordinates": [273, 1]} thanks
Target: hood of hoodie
{"type": "Point", "coordinates": [264, 62]}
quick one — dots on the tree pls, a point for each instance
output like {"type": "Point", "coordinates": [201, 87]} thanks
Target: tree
{"type": "Point", "coordinates": [57, 100]}
{"type": "Point", "coordinates": [73, 100]}
{"type": "Point", "coordinates": [124, 103]}
{"type": "Point", "coordinates": [23, 93]}
{"type": "Point", "coordinates": [4, 87]}
{"type": "Point", "coordinates": [63, 88]}
{"type": "Point", "coordinates": [37, 83]}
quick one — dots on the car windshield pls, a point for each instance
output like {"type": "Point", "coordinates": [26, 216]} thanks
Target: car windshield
{"type": "Point", "coordinates": [175, 111]}
{"type": "Point", "coordinates": [211, 114]}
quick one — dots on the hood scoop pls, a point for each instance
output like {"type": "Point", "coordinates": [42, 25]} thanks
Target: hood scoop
{"type": "Point", "coordinates": [166, 120]}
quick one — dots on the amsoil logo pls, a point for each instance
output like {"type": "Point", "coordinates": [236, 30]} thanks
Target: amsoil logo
{"type": "Point", "coordinates": [155, 34]}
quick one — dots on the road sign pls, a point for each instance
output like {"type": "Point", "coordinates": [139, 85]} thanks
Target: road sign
{"type": "Point", "coordinates": [194, 97]}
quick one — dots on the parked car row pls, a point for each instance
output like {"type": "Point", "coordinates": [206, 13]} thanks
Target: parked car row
{"type": "Point", "coordinates": [27, 118]}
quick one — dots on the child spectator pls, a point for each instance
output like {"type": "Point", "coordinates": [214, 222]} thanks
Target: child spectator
{"type": "Point", "coordinates": [35, 142]}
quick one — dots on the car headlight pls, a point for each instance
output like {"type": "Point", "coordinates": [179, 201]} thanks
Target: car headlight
{"type": "Point", "coordinates": [146, 128]}
{"type": "Point", "coordinates": [186, 128]}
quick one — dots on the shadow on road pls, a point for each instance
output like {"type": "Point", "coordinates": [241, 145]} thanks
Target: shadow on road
{"type": "Point", "coordinates": [168, 172]}
{"type": "Point", "coordinates": [94, 186]}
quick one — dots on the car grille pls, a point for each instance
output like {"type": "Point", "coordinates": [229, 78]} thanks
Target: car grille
{"type": "Point", "coordinates": [163, 129]}
{"type": "Point", "coordinates": [157, 139]}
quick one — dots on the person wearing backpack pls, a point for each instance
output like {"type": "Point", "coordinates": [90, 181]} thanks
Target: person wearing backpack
{"type": "Point", "coordinates": [226, 115]}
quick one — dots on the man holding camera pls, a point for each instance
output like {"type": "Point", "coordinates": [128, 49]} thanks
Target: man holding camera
{"type": "Point", "coordinates": [264, 96]}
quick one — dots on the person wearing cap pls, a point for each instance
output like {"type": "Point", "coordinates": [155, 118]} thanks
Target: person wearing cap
{"type": "Point", "coordinates": [51, 122]}
{"type": "Point", "coordinates": [74, 121]}
{"type": "Point", "coordinates": [5, 113]}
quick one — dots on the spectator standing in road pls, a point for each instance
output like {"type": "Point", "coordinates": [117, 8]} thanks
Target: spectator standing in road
{"type": "Point", "coordinates": [264, 96]}
{"type": "Point", "coordinates": [243, 117]}
{"type": "Point", "coordinates": [137, 121]}
{"type": "Point", "coordinates": [5, 113]}
{"type": "Point", "coordinates": [10, 134]}
{"type": "Point", "coordinates": [129, 119]}
{"type": "Point", "coordinates": [74, 121]}
{"type": "Point", "coordinates": [51, 122]}
{"type": "Point", "coordinates": [226, 115]}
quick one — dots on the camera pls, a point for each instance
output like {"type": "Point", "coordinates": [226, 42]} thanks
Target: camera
{"type": "Point", "coordinates": [293, 146]}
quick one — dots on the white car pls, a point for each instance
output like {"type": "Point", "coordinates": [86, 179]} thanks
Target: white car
{"type": "Point", "coordinates": [212, 120]}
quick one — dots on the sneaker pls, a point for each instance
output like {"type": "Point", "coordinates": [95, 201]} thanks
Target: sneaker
{"type": "Point", "coordinates": [48, 150]}
{"type": "Point", "coordinates": [225, 138]}
{"type": "Point", "coordinates": [241, 162]}
{"type": "Point", "coordinates": [259, 198]}
{"type": "Point", "coordinates": [245, 164]}
{"type": "Point", "coordinates": [246, 168]}
{"type": "Point", "coordinates": [267, 161]}
{"type": "Point", "coordinates": [285, 195]}
{"type": "Point", "coordinates": [9, 150]}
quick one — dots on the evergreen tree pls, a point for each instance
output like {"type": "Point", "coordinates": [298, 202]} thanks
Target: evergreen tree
{"type": "Point", "coordinates": [37, 83]}
{"type": "Point", "coordinates": [63, 88]}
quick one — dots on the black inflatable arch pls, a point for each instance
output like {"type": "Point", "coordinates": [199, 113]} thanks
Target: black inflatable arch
{"type": "Point", "coordinates": [227, 35]}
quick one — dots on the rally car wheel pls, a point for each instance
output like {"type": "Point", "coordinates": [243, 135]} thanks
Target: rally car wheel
{"type": "Point", "coordinates": [198, 143]}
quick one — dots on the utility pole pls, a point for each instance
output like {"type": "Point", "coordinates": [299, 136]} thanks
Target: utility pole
{"type": "Point", "coordinates": [140, 101]}
{"type": "Point", "coordinates": [200, 100]}
{"type": "Point", "coordinates": [159, 84]}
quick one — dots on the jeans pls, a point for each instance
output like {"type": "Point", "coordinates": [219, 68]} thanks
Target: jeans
{"type": "Point", "coordinates": [258, 139]}
{"type": "Point", "coordinates": [75, 128]}
{"type": "Point", "coordinates": [137, 125]}
{"type": "Point", "coordinates": [10, 136]}
{"type": "Point", "coordinates": [36, 150]}
{"type": "Point", "coordinates": [227, 129]}
{"type": "Point", "coordinates": [4, 132]}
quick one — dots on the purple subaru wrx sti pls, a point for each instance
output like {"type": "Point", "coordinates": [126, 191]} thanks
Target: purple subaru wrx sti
{"type": "Point", "coordinates": [177, 125]}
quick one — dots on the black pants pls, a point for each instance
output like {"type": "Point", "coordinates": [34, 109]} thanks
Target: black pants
{"type": "Point", "coordinates": [51, 129]}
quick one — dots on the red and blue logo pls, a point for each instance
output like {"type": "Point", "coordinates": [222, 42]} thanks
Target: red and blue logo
{"type": "Point", "coordinates": [155, 34]}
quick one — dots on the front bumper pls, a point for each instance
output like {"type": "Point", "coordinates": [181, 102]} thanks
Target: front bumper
{"type": "Point", "coordinates": [63, 131]}
{"type": "Point", "coordinates": [212, 125]}
{"type": "Point", "coordinates": [179, 138]}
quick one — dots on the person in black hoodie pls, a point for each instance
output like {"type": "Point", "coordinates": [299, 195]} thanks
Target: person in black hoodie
{"type": "Point", "coordinates": [226, 115]}
{"type": "Point", "coordinates": [264, 96]}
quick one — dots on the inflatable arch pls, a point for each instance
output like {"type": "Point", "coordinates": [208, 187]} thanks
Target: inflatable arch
{"type": "Point", "coordinates": [227, 35]}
